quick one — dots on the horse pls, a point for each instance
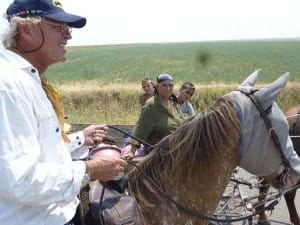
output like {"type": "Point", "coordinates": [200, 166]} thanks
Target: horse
{"type": "Point", "coordinates": [193, 164]}
{"type": "Point", "coordinates": [293, 118]}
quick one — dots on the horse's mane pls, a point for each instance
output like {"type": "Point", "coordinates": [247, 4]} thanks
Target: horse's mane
{"type": "Point", "coordinates": [194, 144]}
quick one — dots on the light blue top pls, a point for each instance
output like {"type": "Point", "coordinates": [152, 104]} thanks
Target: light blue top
{"type": "Point", "coordinates": [187, 108]}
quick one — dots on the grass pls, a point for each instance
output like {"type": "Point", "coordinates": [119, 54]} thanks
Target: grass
{"type": "Point", "coordinates": [90, 102]}
{"type": "Point", "coordinates": [199, 62]}
{"type": "Point", "coordinates": [102, 83]}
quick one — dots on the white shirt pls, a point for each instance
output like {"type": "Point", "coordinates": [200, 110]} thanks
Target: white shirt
{"type": "Point", "coordinates": [39, 180]}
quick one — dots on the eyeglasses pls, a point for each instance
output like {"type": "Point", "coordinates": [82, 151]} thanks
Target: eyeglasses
{"type": "Point", "coordinates": [62, 28]}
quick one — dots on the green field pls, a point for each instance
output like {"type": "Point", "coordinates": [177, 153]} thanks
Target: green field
{"type": "Point", "coordinates": [102, 83]}
{"type": "Point", "coordinates": [199, 62]}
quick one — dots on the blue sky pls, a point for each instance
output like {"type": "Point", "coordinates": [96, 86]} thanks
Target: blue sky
{"type": "Point", "coordinates": [151, 21]}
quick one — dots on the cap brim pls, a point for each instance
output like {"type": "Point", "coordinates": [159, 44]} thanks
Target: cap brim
{"type": "Point", "coordinates": [70, 19]}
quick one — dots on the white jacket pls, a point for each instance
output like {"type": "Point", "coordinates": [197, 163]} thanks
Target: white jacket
{"type": "Point", "coordinates": [39, 180]}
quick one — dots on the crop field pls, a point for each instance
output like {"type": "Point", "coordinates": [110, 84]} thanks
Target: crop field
{"type": "Point", "coordinates": [102, 83]}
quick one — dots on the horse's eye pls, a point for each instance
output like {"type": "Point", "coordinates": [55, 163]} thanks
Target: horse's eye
{"type": "Point", "coordinates": [268, 110]}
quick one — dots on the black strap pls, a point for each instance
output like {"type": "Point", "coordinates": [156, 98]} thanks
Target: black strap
{"type": "Point", "coordinates": [130, 135]}
{"type": "Point", "coordinates": [268, 124]}
{"type": "Point", "coordinates": [100, 204]}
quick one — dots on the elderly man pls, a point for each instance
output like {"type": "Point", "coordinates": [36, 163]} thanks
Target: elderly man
{"type": "Point", "coordinates": [40, 182]}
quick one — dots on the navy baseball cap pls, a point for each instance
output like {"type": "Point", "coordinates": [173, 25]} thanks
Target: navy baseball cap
{"type": "Point", "coordinates": [51, 9]}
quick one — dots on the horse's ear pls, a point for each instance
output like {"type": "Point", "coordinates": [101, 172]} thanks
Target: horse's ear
{"type": "Point", "coordinates": [251, 79]}
{"type": "Point", "coordinates": [269, 93]}
{"type": "Point", "coordinates": [248, 84]}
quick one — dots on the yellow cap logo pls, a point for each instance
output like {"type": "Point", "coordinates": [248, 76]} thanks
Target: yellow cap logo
{"type": "Point", "coordinates": [57, 3]}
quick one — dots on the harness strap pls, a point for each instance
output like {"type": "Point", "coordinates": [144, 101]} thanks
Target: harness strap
{"type": "Point", "coordinates": [268, 124]}
{"type": "Point", "coordinates": [100, 204]}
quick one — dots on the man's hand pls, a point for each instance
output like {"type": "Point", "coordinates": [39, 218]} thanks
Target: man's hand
{"type": "Point", "coordinates": [94, 134]}
{"type": "Point", "coordinates": [106, 168]}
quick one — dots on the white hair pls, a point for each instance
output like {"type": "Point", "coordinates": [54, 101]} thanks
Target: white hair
{"type": "Point", "coordinates": [9, 38]}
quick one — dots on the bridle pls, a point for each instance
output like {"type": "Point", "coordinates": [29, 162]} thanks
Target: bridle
{"type": "Point", "coordinates": [268, 123]}
{"type": "Point", "coordinates": [282, 178]}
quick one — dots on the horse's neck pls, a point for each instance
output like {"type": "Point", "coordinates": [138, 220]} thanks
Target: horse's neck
{"type": "Point", "coordinates": [201, 191]}
{"type": "Point", "coordinates": [209, 183]}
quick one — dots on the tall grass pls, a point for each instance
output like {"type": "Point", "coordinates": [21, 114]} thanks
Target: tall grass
{"type": "Point", "coordinates": [90, 102]}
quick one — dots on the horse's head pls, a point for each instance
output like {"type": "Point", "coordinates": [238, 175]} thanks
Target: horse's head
{"type": "Point", "coordinates": [259, 154]}
{"type": "Point", "coordinates": [198, 158]}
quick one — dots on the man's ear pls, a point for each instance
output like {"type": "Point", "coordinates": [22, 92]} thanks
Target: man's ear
{"type": "Point", "coordinates": [26, 31]}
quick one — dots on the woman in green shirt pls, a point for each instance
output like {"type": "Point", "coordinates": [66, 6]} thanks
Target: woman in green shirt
{"type": "Point", "coordinates": [160, 116]}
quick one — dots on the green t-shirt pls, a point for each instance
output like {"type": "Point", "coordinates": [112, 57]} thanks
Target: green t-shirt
{"type": "Point", "coordinates": [155, 122]}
